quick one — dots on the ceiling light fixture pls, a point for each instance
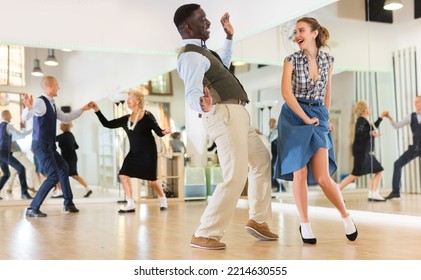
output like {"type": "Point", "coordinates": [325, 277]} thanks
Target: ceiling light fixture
{"type": "Point", "coordinates": [51, 59]}
{"type": "Point", "coordinates": [239, 63]}
{"type": "Point", "coordinates": [392, 5]}
{"type": "Point", "coordinates": [37, 71]}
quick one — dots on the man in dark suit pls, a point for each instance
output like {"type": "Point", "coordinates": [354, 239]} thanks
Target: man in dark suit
{"type": "Point", "coordinates": [413, 151]}
{"type": "Point", "coordinates": [7, 132]}
{"type": "Point", "coordinates": [45, 115]}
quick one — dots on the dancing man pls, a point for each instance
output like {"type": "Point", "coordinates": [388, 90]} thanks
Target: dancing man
{"type": "Point", "coordinates": [45, 114]}
{"type": "Point", "coordinates": [214, 92]}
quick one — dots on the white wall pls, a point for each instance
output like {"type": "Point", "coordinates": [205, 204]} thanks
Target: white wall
{"type": "Point", "coordinates": [343, 99]}
{"type": "Point", "coordinates": [388, 135]}
{"type": "Point", "coordinates": [263, 84]}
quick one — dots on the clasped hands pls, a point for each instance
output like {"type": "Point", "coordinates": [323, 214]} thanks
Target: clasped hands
{"type": "Point", "coordinates": [94, 106]}
{"type": "Point", "coordinates": [386, 114]}
{"type": "Point", "coordinates": [28, 101]}
{"type": "Point", "coordinates": [91, 105]}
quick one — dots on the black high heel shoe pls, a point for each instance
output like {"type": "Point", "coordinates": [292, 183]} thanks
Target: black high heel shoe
{"type": "Point", "coordinates": [353, 235]}
{"type": "Point", "coordinates": [308, 240]}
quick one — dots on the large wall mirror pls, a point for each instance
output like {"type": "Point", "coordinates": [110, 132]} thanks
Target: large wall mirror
{"type": "Point", "coordinates": [392, 85]}
{"type": "Point", "coordinates": [103, 77]}
{"type": "Point", "coordinates": [375, 60]}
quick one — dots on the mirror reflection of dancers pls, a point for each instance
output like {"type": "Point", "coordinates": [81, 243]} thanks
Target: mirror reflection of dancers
{"type": "Point", "coordinates": [362, 150]}
{"type": "Point", "coordinates": [68, 146]}
{"type": "Point", "coordinates": [413, 151]}
{"type": "Point", "coordinates": [7, 132]}
{"type": "Point", "coordinates": [141, 161]}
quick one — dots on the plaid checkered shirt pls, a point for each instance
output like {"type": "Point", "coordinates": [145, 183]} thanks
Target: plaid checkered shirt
{"type": "Point", "coordinates": [302, 83]}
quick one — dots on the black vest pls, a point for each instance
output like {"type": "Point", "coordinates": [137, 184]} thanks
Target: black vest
{"type": "Point", "coordinates": [416, 132]}
{"type": "Point", "coordinates": [5, 139]}
{"type": "Point", "coordinates": [222, 84]}
{"type": "Point", "coordinates": [45, 126]}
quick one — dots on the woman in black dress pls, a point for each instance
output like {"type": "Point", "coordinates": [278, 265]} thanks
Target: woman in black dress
{"type": "Point", "coordinates": [141, 161]}
{"type": "Point", "coordinates": [68, 146]}
{"type": "Point", "coordinates": [362, 150]}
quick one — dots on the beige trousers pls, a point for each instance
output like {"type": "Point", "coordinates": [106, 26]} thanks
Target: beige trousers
{"type": "Point", "coordinates": [242, 155]}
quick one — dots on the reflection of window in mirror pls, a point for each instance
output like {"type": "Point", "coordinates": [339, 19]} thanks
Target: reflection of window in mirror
{"type": "Point", "coordinates": [13, 102]}
{"type": "Point", "coordinates": [161, 112]}
{"type": "Point", "coordinates": [12, 66]}
{"type": "Point", "coordinates": [161, 85]}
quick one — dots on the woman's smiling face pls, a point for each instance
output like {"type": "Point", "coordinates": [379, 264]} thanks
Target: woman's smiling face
{"type": "Point", "coordinates": [304, 36]}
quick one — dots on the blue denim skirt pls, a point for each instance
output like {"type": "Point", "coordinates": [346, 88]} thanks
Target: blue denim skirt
{"type": "Point", "coordinates": [298, 142]}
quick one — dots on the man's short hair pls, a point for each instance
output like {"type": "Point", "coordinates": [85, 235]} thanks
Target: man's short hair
{"type": "Point", "coordinates": [4, 113]}
{"type": "Point", "coordinates": [183, 13]}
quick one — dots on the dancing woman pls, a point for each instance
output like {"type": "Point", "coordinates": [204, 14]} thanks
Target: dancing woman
{"type": "Point", "coordinates": [141, 161]}
{"type": "Point", "coordinates": [68, 146]}
{"type": "Point", "coordinates": [362, 150]}
{"type": "Point", "coordinates": [305, 148]}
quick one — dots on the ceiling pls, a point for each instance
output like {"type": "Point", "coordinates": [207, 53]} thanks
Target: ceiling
{"type": "Point", "coordinates": [132, 25]}
{"type": "Point", "coordinates": [144, 27]}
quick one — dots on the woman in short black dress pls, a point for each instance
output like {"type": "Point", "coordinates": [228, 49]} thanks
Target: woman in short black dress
{"type": "Point", "coordinates": [68, 146]}
{"type": "Point", "coordinates": [141, 161]}
{"type": "Point", "coordinates": [362, 150]}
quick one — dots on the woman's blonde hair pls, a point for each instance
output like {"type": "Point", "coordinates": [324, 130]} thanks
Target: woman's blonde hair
{"type": "Point", "coordinates": [139, 97]}
{"type": "Point", "coordinates": [66, 126]}
{"type": "Point", "coordinates": [360, 108]}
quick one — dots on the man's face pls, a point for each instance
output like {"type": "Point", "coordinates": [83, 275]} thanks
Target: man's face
{"type": "Point", "coordinates": [272, 123]}
{"type": "Point", "coordinates": [52, 88]}
{"type": "Point", "coordinates": [199, 25]}
{"type": "Point", "coordinates": [7, 116]}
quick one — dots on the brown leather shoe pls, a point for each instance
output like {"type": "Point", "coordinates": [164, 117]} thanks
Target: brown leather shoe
{"type": "Point", "coordinates": [260, 231]}
{"type": "Point", "coordinates": [206, 243]}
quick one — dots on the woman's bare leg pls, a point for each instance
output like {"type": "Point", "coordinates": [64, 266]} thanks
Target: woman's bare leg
{"type": "Point", "coordinates": [347, 180]}
{"type": "Point", "coordinates": [320, 165]}
{"type": "Point", "coordinates": [299, 187]}
{"type": "Point", "coordinates": [128, 191]}
{"type": "Point", "coordinates": [157, 186]}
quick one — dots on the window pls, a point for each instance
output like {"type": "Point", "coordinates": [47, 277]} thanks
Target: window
{"type": "Point", "coordinates": [161, 85]}
{"type": "Point", "coordinates": [12, 66]}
